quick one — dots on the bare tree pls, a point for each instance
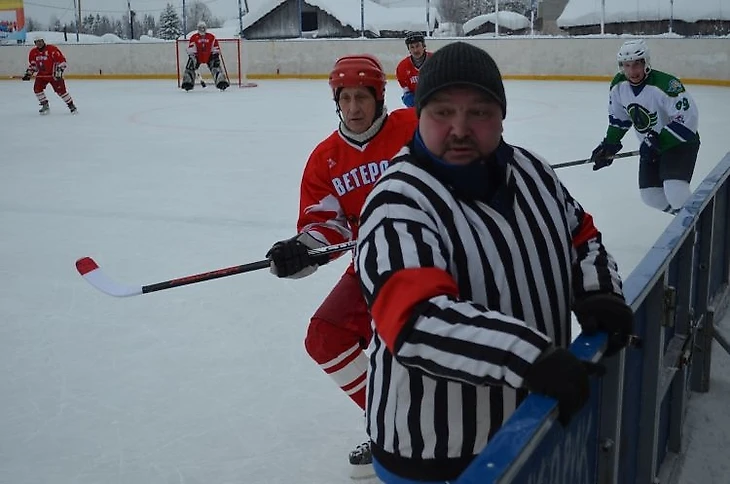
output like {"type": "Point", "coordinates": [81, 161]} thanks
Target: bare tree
{"type": "Point", "coordinates": [198, 11]}
{"type": "Point", "coordinates": [453, 11]}
{"type": "Point", "coordinates": [31, 25]}
{"type": "Point", "coordinates": [55, 24]}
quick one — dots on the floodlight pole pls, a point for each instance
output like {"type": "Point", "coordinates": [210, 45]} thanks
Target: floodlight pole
{"type": "Point", "coordinates": [240, 19]}
{"type": "Point", "coordinates": [77, 3]}
{"type": "Point", "coordinates": [496, 18]}
{"type": "Point", "coordinates": [603, 17]}
{"type": "Point", "coordinates": [362, 19]}
{"type": "Point", "coordinates": [131, 20]}
{"type": "Point", "coordinates": [671, 16]}
{"type": "Point", "coordinates": [428, 18]}
{"type": "Point", "coordinates": [185, 19]}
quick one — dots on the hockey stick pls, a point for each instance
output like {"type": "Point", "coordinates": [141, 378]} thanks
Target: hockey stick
{"type": "Point", "coordinates": [43, 76]}
{"type": "Point", "coordinates": [199, 78]}
{"type": "Point", "coordinates": [225, 69]}
{"type": "Point", "coordinates": [90, 271]}
{"type": "Point", "coordinates": [627, 154]}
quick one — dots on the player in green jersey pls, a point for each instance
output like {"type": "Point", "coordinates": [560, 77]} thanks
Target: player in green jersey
{"type": "Point", "coordinates": [665, 118]}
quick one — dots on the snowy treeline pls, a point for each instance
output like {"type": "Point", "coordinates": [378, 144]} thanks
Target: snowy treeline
{"type": "Point", "coordinates": [168, 25]}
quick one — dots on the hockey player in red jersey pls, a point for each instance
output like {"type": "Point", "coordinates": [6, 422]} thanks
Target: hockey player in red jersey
{"type": "Point", "coordinates": [338, 176]}
{"type": "Point", "coordinates": [203, 48]}
{"type": "Point", "coordinates": [47, 62]}
{"type": "Point", "coordinates": [407, 70]}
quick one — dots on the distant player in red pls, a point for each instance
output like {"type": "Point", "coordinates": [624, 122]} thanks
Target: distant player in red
{"type": "Point", "coordinates": [203, 48]}
{"type": "Point", "coordinates": [407, 70]}
{"type": "Point", "coordinates": [47, 62]}
{"type": "Point", "coordinates": [339, 174]}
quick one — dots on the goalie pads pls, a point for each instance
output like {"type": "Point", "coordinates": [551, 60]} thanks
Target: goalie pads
{"type": "Point", "coordinates": [219, 77]}
{"type": "Point", "coordinates": [192, 64]}
{"type": "Point", "coordinates": [188, 80]}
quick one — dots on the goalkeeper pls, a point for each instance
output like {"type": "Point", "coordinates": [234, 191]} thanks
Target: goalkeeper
{"type": "Point", "coordinates": [203, 48]}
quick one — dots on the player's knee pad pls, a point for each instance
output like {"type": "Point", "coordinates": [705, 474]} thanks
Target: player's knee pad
{"type": "Point", "coordinates": [214, 62]}
{"type": "Point", "coordinates": [654, 197]}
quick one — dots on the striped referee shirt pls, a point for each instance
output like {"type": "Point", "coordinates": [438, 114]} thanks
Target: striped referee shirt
{"type": "Point", "coordinates": [464, 297]}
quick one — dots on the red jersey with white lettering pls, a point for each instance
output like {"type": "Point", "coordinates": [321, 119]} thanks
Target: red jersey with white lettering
{"type": "Point", "coordinates": [202, 46]}
{"type": "Point", "coordinates": [44, 61]}
{"type": "Point", "coordinates": [407, 73]}
{"type": "Point", "coordinates": [339, 175]}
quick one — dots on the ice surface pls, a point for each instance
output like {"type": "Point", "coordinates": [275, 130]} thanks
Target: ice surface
{"type": "Point", "coordinates": [210, 383]}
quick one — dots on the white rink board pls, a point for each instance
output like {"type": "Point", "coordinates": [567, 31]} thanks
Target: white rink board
{"type": "Point", "coordinates": [707, 58]}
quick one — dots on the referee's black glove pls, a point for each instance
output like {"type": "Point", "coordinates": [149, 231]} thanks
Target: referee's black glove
{"type": "Point", "coordinates": [606, 312]}
{"type": "Point", "coordinates": [559, 374]}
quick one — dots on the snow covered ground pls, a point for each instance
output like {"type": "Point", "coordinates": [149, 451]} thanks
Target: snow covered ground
{"type": "Point", "coordinates": [210, 383]}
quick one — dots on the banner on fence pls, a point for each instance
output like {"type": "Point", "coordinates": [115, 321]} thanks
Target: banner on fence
{"type": "Point", "coordinates": [12, 22]}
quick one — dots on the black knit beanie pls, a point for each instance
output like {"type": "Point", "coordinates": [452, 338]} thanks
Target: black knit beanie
{"type": "Point", "coordinates": [460, 63]}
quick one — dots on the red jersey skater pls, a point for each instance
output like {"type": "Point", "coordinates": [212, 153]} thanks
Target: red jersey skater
{"type": "Point", "coordinates": [338, 176]}
{"type": "Point", "coordinates": [203, 48]}
{"type": "Point", "coordinates": [47, 62]}
{"type": "Point", "coordinates": [407, 69]}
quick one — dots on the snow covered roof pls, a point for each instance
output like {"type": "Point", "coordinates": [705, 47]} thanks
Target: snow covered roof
{"type": "Point", "coordinates": [377, 17]}
{"type": "Point", "coordinates": [508, 20]}
{"type": "Point", "coordinates": [588, 12]}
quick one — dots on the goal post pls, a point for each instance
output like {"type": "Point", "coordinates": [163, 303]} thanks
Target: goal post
{"type": "Point", "coordinates": [232, 62]}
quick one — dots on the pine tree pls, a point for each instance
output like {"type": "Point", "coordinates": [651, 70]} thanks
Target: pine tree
{"type": "Point", "coordinates": [170, 26]}
{"type": "Point", "coordinates": [118, 29]}
{"type": "Point", "coordinates": [87, 24]}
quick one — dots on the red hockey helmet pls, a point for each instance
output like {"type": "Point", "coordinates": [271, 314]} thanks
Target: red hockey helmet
{"type": "Point", "coordinates": [358, 70]}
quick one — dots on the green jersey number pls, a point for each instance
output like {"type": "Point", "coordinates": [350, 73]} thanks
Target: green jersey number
{"type": "Point", "coordinates": [682, 104]}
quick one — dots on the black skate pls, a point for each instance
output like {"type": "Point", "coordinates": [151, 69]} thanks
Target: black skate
{"type": "Point", "coordinates": [188, 86]}
{"type": "Point", "coordinates": [72, 108]}
{"type": "Point", "coordinates": [361, 462]}
{"type": "Point", "coordinates": [45, 109]}
{"type": "Point", "coordinates": [223, 85]}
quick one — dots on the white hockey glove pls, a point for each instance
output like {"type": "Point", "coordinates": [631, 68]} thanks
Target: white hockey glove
{"type": "Point", "coordinates": [58, 73]}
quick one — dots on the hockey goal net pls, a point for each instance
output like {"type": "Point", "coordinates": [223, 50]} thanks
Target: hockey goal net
{"type": "Point", "coordinates": [232, 61]}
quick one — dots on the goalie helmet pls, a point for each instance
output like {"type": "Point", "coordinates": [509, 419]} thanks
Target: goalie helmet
{"type": "Point", "coordinates": [358, 70]}
{"type": "Point", "coordinates": [414, 37]}
{"type": "Point", "coordinates": [202, 27]}
{"type": "Point", "coordinates": [634, 50]}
